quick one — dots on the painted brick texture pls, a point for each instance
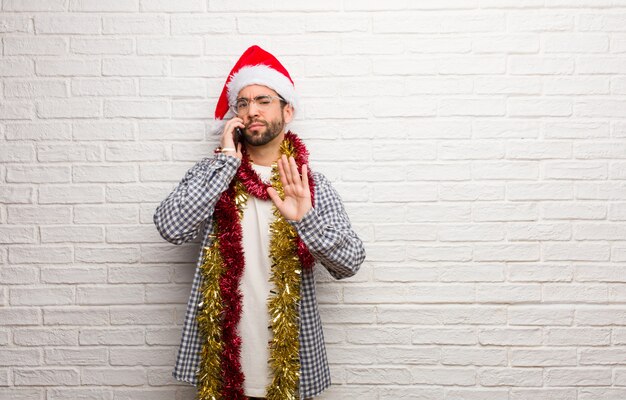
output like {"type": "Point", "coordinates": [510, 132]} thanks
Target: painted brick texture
{"type": "Point", "coordinates": [479, 146]}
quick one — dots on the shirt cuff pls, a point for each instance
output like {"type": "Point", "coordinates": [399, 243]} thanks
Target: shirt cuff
{"type": "Point", "coordinates": [309, 227]}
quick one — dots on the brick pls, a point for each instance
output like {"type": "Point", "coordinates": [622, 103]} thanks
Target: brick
{"type": "Point", "coordinates": [19, 357]}
{"type": "Point", "coordinates": [142, 274]}
{"type": "Point", "coordinates": [601, 393]}
{"type": "Point", "coordinates": [71, 233]}
{"type": "Point", "coordinates": [106, 254]}
{"type": "Point", "coordinates": [71, 194]}
{"type": "Point", "coordinates": [16, 110]}
{"type": "Point", "coordinates": [510, 336]}
{"type": "Point", "coordinates": [79, 393]}
{"type": "Point", "coordinates": [112, 336]}
{"type": "Point", "coordinates": [70, 108]}
{"type": "Point", "coordinates": [15, 194]}
{"type": "Point", "coordinates": [163, 336]}
{"type": "Point", "coordinates": [76, 316]}
{"type": "Point", "coordinates": [99, 130]}
{"type": "Point", "coordinates": [35, 89]}
{"type": "Point", "coordinates": [473, 356]}
{"type": "Point", "coordinates": [136, 109]}
{"type": "Point", "coordinates": [38, 131]}
{"type": "Point", "coordinates": [407, 355]}
{"type": "Point", "coordinates": [472, 273]}
{"type": "Point", "coordinates": [572, 210]}
{"type": "Point", "coordinates": [444, 376]}
{"type": "Point", "coordinates": [379, 335]}
{"type": "Point", "coordinates": [175, 87]}
{"type": "Point", "coordinates": [17, 234]}
{"type": "Point", "coordinates": [153, 356]}
{"type": "Point", "coordinates": [38, 337]}
{"type": "Point", "coordinates": [46, 377]}
{"type": "Point", "coordinates": [42, 296]}
{"type": "Point", "coordinates": [539, 231]}
{"type": "Point", "coordinates": [103, 173]}
{"type": "Point", "coordinates": [13, 393]}
{"type": "Point", "coordinates": [105, 214]}
{"type": "Point", "coordinates": [578, 377]}
{"type": "Point", "coordinates": [508, 252]}
{"type": "Point", "coordinates": [533, 65]}
{"type": "Point", "coordinates": [134, 24]}
{"type": "Point", "coordinates": [577, 337]}
{"type": "Point", "coordinates": [20, 316]}
{"type": "Point", "coordinates": [141, 316]}
{"type": "Point", "coordinates": [525, 377]}
{"type": "Point", "coordinates": [474, 394]}
{"type": "Point", "coordinates": [578, 252]}
{"type": "Point", "coordinates": [397, 376]}
{"type": "Point", "coordinates": [69, 153]}
{"type": "Point", "coordinates": [202, 24]}
{"type": "Point", "coordinates": [439, 253]}
{"type": "Point", "coordinates": [113, 377]}
{"type": "Point", "coordinates": [470, 191]}
{"type": "Point", "coordinates": [444, 336]}
{"type": "Point", "coordinates": [14, 23]}
{"type": "Point", "coordinates": [498, 293]}
{"type": "Point", "coordinates": [109, 294]}
{"type": "Point", "coordinates": [179, 46]}
{"type": "Point", "coordinates": [136, 193]}
{"type": "Point", "coordinates": [109, 6]}
{"type": "Point", "coordinates": [177, 294]}
{"type": "Point", "coordinates": [149, 394]}
{"type": "Point", "coordinates": [187, 253]}
{"type": "Point", "coordinates": [144, 66]}
{"type": "Point", "coordinates": [613, 356]}
{"type": "Point", "coordinates": [40, 254]}
{"type": "Point", "coordinates": [35, 174]}
{"type": "Point", "coordinates": [434, 315]}
{"type": "Point", "coordinates": [76, 25]}
{"type": "Point", "coordinates": [35, 46]}
{"type": "Point", "coordinates": [543, 357]}
{"type": "Point", "coordinates": [76, 357]}
{"type": "Point", "coordinates": [17, 67]}
{"type": "Point", "coordinates": [540, 315]}
{"type": "Point", "coordinates": [438, 213]}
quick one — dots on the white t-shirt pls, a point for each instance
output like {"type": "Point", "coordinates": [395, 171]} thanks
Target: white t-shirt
{"type": "Point", "coordinates": [255, 286]}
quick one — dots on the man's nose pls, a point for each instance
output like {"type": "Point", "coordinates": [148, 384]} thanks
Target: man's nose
{"type": "Point", "coordinates": [253, 110]}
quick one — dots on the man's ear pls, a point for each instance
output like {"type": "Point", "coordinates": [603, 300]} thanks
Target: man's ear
{"type": "Point", "coordinates": [288, 113]}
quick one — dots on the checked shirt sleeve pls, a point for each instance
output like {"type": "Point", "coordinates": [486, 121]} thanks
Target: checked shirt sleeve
{"type": "Point", "coordinates": [179, 216]}
{"type": "Point", "coordinates": [327, 232]}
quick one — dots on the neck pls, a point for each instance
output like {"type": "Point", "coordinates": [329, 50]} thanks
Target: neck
{"type": "Point", "coordinates": [268, 153]}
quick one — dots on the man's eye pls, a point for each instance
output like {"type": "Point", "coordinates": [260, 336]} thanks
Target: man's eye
{"type": "Point", "coordinates": [264, 100]}
{"type": "Point", "coordinates": [242, 104]}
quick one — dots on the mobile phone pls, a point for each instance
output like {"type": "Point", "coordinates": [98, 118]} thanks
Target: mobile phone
{"type": "Point", "coordinates": [237, 136]}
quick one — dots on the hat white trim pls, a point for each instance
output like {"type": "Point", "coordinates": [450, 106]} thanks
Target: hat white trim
{"type": "Point", "coordinates": [262, 75]}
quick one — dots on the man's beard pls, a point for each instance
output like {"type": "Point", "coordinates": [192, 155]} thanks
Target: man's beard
{"type": "Point", "coordinates": [272, 130]}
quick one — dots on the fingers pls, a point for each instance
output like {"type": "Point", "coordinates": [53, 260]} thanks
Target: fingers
{"type": "Point", "coordinates": [305, 177]}
{"type": "Point", "coordinates": [275, 197]}
{"type": "Point", "coordinates": [228, 136]}
{"type": "Point", "coordinates": [295, 175]}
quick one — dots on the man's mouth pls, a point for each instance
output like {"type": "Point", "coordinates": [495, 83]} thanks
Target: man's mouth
{"type": "Point", "coordinates": [255, 125]}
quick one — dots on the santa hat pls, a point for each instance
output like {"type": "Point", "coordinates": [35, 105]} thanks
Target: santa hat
{"type": "Point", "coordinates": [255, 67]}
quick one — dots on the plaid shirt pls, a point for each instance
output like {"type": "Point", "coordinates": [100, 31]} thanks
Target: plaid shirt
{"type": "Point", "coordinates": [325, 230]}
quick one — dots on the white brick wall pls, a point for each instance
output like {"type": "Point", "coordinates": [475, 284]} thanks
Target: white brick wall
{"type": "Point", "coordinates": [478, 144]}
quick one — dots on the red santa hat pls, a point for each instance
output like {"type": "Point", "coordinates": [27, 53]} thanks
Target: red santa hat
{"type": "Point", "coordinates": [255, 67]}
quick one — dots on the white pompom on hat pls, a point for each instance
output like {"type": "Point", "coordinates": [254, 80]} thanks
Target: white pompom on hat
{"type": "Point", "coordinates": [255, 67]}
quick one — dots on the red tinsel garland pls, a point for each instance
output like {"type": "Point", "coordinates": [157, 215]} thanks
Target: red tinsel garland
{"type": "Point", "coordinates": [230, 240]}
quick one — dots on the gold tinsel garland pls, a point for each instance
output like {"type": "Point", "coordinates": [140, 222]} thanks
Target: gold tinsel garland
{"type": "Point", "coordinates": [209, 324]}
{"type": "Point", "coordinates": [283, 305]}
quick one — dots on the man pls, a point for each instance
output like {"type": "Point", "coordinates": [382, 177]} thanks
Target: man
{"type": "Point", "coordinates": [252, 328]}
